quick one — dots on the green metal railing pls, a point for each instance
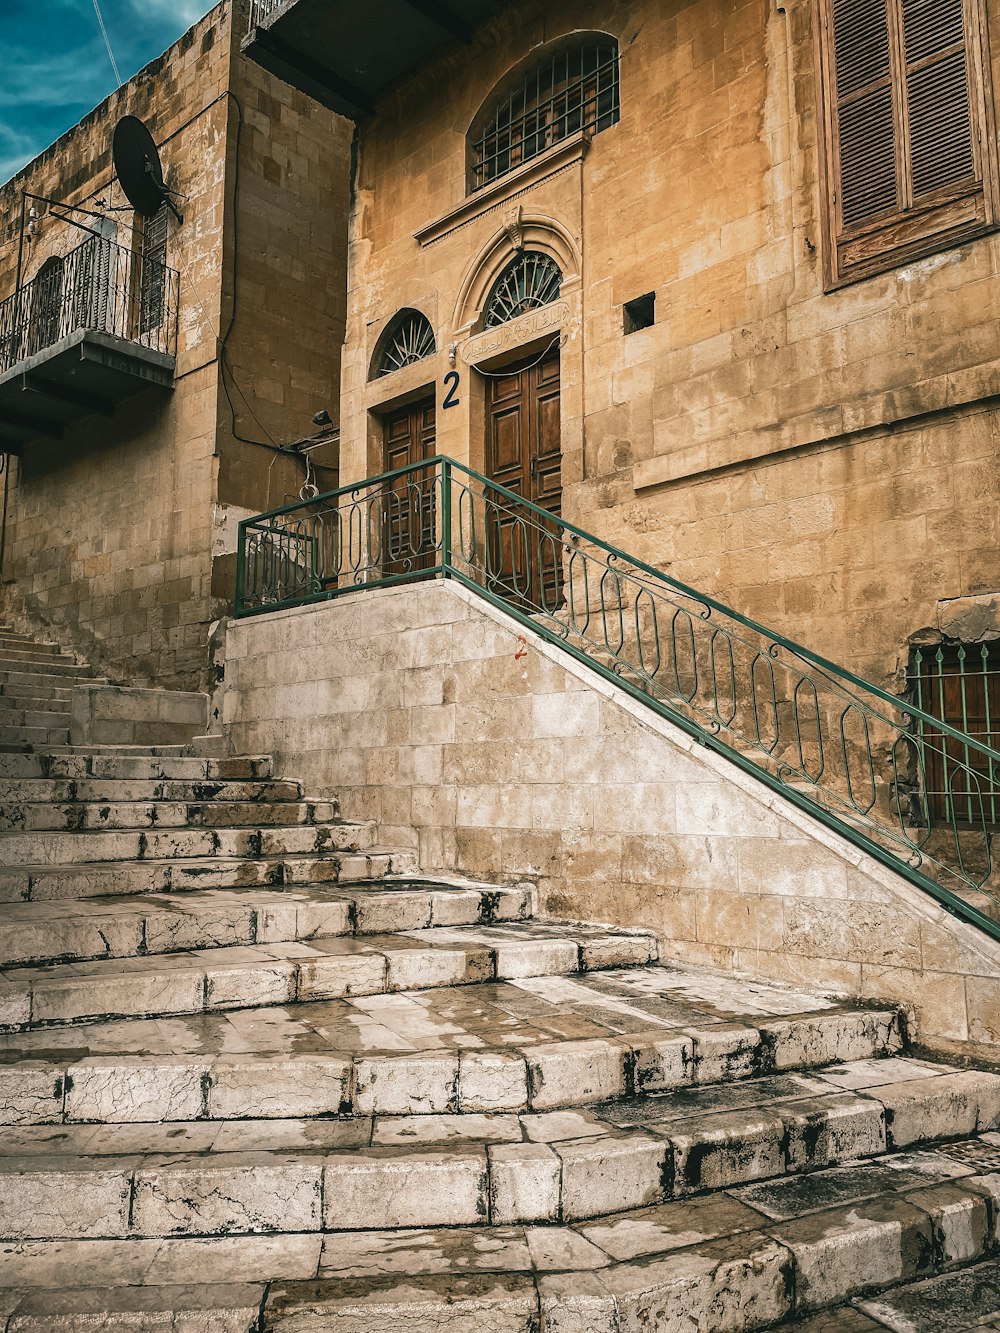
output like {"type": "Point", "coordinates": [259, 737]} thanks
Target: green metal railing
{"type": "Point", "coordinates": [860, 759]}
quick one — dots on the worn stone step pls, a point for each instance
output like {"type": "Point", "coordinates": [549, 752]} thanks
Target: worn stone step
{"type": "Point", "coordinates": [25, 662]}
{"type": "Point", "coordinates": [11, 705]}
{"type": "Point", "coordinates": [101, 879]}
{"type": "Point", "coordinates": [361, 1174]}
{"type": "Point", "coordinates": [88, 816]}
{"type": "Point", "coordinates": [116, 927]}
{"type": "Point", "coordinates": [31, 791]}
{"type": "Point", "coordinates": [33, 652]}
{"type": "Point", "coordinates": [197, 981]}
{"type": "Point", "coordinates": [137, 766]}
{"type": "Point", "coordinates": [715, 1264]}
{"type": "Point", "coordinates": [252, 840]}
{"type": "Point", "coordinates": [19, 717]}
{"type": "Point", "coordinates": [36, 737]}
{"type": "Point", "coordinates": [538, 1043]}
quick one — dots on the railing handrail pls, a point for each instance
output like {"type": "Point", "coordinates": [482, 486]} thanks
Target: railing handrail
{"type": "Point", "coordinates": [838, 673]}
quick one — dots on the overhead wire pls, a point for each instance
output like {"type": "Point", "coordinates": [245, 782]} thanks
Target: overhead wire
{"type": "Point", "coordinates": [107, 42]}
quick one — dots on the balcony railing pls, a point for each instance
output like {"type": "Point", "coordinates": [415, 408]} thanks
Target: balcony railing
{"type": "Point", "coordinates": [261, 9]}
{"type": "Point", "coordinates": [858, 758]}
{"type": "Point", "coordinates": [99, 287]}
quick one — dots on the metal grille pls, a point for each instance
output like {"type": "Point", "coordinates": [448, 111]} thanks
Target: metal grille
{"type": "Point", "coordinates": [982, 1155]}
{"type": "Point", "coordinates": [529, 281]}
{"type": "Point", "coordinates": [576, 89]}
{"type": "Point", "coordinates": [99, 286]}
{"type": "Point", "coordinates": [960, 684]}
{"type": "Point", "coordinates": [410, 339]}
{"type": "Point", "coordinates": [262, 9]}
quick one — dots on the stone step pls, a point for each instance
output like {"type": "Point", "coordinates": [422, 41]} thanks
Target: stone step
{"type": "Point", "coordinates": [136, 766]}
{"type": "Point", "coordinates": [35, 652]}
{"type": "Point", "coordinates": [26, 662]}
{"type": "Point", "coordinates": [32, 791]}
{"type": "Point", "coordinates": [282, 973]}
{"type": "Point", "coordinates": [13, 639]}
{"type": "Point", "coordinates": [714, 1264]}
{"type": "Point", "coordinates": [537, 1043]}
{"type": "Point", "coordinates": [115, 927]}
{"type": "Point", "coordinates": [20, 717]}
{"type": "Point", "coordinates": [250, 840]}
{"type": "Point", "coordinates": [22, 701]}
{"type": "Point", "coordinates": [124, 816]}
{"type": "Point", "coordinates": [115, 878]}
{"type": "Point", "coordinates": [35, 737]}
{"type": "Point", "coordinates": [381, 1174]}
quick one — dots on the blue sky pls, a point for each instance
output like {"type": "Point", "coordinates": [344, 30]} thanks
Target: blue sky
{"type": "Point", "coordinates": [54, 66]}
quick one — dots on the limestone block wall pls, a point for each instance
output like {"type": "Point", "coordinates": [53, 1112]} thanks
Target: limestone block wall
{"type": "Point", "coordinates": [825, 461]}
{"type": "Point", "coordinates": [497, 755]}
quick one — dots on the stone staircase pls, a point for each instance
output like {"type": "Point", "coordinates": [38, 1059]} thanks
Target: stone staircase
{"type": "Point", "coordinates": [36, 686]}
{"type": "Point", "coordinates": [258, 1073]}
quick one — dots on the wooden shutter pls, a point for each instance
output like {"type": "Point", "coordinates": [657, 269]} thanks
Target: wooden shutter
{"type": "Point", "coordinates": [907, 112]}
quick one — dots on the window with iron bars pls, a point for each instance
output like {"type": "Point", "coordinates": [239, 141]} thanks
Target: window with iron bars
{"type": "Point", "coordinates": [574, 89]}
{"type": "Point", "coordinates": [960, 684]}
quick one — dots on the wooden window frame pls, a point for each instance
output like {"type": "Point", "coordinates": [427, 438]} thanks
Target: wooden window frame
{"type": "Point", "coordinates": [950, 217]}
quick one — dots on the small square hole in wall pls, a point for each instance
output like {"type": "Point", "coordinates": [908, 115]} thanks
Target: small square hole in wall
{"type": "Point", "coordinates": [640, 313]}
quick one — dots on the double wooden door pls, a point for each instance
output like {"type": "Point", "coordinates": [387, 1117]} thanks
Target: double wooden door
{"type": "Point", "coordinates": [524, 553]}
{"type": "Point", "coordinates": [409, 503]}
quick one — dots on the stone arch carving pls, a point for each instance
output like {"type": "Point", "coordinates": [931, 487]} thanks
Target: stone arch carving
{"type": "Point", "coordinates": [531, 232]}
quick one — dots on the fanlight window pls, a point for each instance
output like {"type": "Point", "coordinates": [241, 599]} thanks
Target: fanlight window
{"type": "Point", "coordinates": [410, 339]}
{"type": "Point", "coordinates": [574, 89]}
{"type": "Point", "coordinates": [529, 281]}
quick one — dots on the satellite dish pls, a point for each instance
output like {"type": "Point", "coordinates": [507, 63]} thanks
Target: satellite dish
{"type": "Point", "coordinates": [137, 166]}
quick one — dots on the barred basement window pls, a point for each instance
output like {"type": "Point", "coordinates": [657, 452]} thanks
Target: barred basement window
{"type": "Point", "coordinates": [907, 162]}
{"type": "Point", "coordinates": [575, 88]}
{"type": "Point", "coordinates": [960, 684]}
{"type": "Point", "coordinates": [410, 338]}
{"type": "Point", "coordinates": [529, 281]}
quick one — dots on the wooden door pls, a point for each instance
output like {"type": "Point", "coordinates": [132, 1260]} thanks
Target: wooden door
{"type": "Point", "coordinates": [524, 554]}
{"type": "Point", "coordinates": [409, 528]}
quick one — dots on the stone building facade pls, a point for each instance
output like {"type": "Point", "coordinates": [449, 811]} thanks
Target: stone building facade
{"type": "Point", "coordinates": [120, 526]}
{"type": "Point", "coordinates": [811, 439]}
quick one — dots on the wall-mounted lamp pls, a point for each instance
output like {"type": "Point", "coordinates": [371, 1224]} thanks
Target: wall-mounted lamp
{"type": "Point", "coordinates": [322, 418]}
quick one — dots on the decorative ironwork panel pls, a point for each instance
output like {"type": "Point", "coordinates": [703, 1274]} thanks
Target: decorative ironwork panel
{"type": "Point", "coordinates": [529, 281]}
{"type": "Point", "coordinates": [574, 89]}
{"type": "Point", "coordinates": [410, 339]}
{"type": "Point", "coordinates": [99, 286]}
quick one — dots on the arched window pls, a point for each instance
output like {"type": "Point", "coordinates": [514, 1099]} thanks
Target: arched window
{"type": "Point", "coordinates": [530, 280]}
{"type": "Point", "coordinates": [574, 88]}
{"type": "Point", "coordinates": [409, 338]}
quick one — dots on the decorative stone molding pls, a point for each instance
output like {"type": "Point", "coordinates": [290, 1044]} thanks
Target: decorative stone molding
{"type": "Point", "coordinates": [524, 329]}
{"type": "Point", "coordinates": [494, 196]}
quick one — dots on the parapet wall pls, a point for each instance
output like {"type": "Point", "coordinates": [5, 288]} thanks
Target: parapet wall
{"type": "Point", "coordinates": [494, 753]}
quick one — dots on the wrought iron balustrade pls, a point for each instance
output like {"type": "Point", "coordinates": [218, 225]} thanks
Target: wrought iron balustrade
{"type": "Point", "coordinates": [866, 762]}
{"type": "Point", "coordinates": [262, 9]}
{"type": "Point", "coordinates": [99, 287]}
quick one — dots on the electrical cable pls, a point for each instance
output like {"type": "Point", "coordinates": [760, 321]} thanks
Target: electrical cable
{"type": "Point", "coordinates": [558, 341]}
{"type": "Point", "coordinates": [107, 42]}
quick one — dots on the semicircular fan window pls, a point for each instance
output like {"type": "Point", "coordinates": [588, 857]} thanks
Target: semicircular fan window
{"type": "Point", "coordinates": [529, 281]}
{"type": "Point", "coordinates": [410, 339]}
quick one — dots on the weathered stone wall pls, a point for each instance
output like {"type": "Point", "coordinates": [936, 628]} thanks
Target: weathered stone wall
{"type": "Point", "coordinates": [827, 462]}
{"type": "Point", "coordinates": [121, 534]}
{"type": "Point", "coordinates": [109, 534]}
{"type": "Point", "coordinates": [284, 294]}
{"type": "Point", "coordinates": [425, 709]}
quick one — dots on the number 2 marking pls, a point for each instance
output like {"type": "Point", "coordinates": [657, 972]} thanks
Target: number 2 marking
{"type": "Point", "coordinates": [453, 380]}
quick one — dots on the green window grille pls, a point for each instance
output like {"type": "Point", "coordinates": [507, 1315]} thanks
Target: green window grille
{"type": "Point", "coordinates": [960, 684]}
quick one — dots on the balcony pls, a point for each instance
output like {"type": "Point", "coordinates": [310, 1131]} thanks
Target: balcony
{"type": "Point", "coordinates": [345, 56]}
{"type": "Point", "coordinates": [93, 328]}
